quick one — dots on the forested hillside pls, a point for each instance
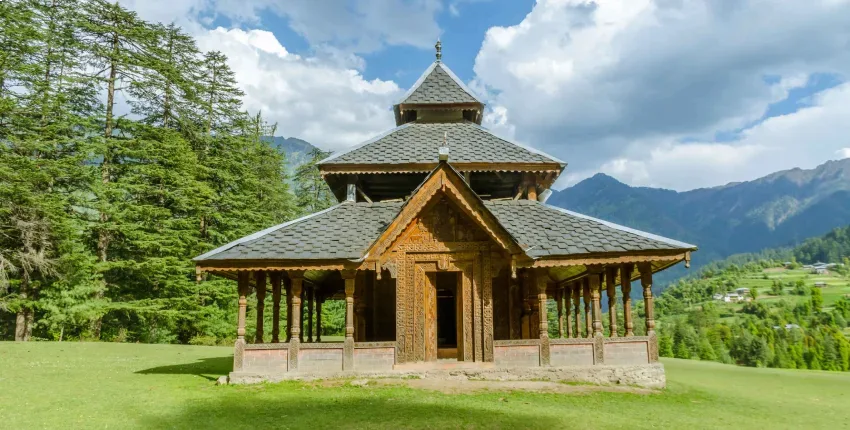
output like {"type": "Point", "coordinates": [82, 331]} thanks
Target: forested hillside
{"type": "Point", "coordinates": [124, 152]}
{"type": "Point", "coordinates": [788, 317]}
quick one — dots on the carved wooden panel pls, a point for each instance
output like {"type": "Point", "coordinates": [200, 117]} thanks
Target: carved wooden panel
{"type": "Point", "coordinates": [487, 286]}
{"type": "Point", "coordinates": [401, 308]}
{"type": "Point", "coordinates": [477, 311]}
{"type": "Point", "coordinates": [430, 306]}
{"type": "Point", "coordinates": [467, 282]}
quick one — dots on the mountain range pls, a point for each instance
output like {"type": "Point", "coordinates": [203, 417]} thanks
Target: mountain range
{"type": "Point", "coordinates": [297, 151]}
{"type": "Point", "coordinates": [780, 209]}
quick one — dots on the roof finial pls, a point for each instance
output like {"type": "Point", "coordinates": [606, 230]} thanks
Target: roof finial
{"type": "Point", "coordinates": [439, 47]}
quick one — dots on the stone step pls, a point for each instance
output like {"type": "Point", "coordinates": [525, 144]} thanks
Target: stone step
{"type": "Point", "coordinates": [442, 365]}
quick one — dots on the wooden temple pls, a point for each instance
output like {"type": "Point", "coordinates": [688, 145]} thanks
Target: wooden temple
{"type": "Point", "coordinates": [446, 255]}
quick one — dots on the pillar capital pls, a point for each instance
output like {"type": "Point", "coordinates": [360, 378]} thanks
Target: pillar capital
{"type": "Point", "coordinates": [348, 273]}
{"type": "Point", "coordinates": [645, 270]}
{"type": "Point", "coordinates": [295, 274]}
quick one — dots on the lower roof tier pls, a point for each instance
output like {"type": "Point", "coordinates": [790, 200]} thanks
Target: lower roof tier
{"type": "Point", "coordinates": [346, 231]}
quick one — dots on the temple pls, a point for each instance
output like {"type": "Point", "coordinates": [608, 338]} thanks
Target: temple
{"type": "Point", "coordinates": [446, 255]}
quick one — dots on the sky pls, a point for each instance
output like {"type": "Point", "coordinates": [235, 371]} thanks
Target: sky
{"type": "Point", "coordinates": [679, 94]}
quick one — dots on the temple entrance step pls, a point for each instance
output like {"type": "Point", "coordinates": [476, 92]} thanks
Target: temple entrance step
{"type": "Point", "coordinates": [442, 365]}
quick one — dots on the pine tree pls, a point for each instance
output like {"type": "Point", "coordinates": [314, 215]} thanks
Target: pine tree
{"type": "Point", "coordinates": [312, 190]}
{"type": "Point", "coordinates": [166, 94]}
{"type": "Point", "coordinates": [116, 41]}
{"type": "Point", "coordinates": [220, 95]}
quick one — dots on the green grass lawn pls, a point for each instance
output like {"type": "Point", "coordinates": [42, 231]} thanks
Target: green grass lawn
{"type": "Point", "coordinates": [103, 385]}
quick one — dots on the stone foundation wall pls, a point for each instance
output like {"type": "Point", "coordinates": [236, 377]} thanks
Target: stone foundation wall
{"type": "Point", "coordinates": [374, 356]}
{"type": "Point", "coordinates": [647, 375]}
{"type": "Point", "coordinates": [516, 353]}
{"type": "Point", "coordinates": [625, 352]}
{"type": "Point", "coordinates": [575, 352]}
{"type": "Point", "coordinates": [320, 357]}
{"type": "Point", "coordinates": [265, 360]}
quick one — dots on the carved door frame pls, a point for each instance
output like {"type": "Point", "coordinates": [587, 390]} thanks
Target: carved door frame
{"type": "Point", "coordinates": [475, 340]}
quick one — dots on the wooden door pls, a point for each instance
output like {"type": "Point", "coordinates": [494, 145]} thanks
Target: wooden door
{"type": "Point", "coordinates": [430, 305]}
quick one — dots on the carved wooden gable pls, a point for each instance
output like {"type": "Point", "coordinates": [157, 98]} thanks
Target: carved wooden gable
{"type": "Point", "coordinates": [444, 210]}
{"type": "Point", "coordinates": [442, 223]}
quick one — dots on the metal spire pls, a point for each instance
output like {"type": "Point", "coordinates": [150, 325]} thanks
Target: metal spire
{"type": "Point", "coordinates": [439, 47]}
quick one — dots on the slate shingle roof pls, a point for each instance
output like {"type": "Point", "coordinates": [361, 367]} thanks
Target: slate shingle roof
{"type": "Point", "coordinates": [347, 230]}
{"type": "Point", "coordinates": [545, 230]}
{"type": "Point", "coordinates": [438, 85]}
{"type": "Point", "coordinates": [417, 142]}
{"type": "Point", "coordinates": [344, 231]}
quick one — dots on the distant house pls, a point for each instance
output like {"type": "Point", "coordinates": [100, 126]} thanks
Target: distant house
{"type": "Point", "coordinates": [731, 298]}
{"type": "Point", "coordinates": [820, 284]}
{"type": "Point", "coordinates": [820, 271]}
{"type": "Point", "coordinates": [743, 291]}
{"type": "Point", "coordinates": [787, 326]}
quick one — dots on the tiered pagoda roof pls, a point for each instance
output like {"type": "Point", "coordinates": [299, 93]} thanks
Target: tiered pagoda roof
{"type": "Point", "coordinates": [438, 112]}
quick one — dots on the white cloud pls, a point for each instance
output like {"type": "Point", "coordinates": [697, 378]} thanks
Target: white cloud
{"type": "Point", "coordinates": [351, 25]}
{"type": "Point", "coordinates": [309, 97]}
{"type": "Point", "coordinates": [804, 139]}
{"type": "Point", "coordinates": [618, 85]}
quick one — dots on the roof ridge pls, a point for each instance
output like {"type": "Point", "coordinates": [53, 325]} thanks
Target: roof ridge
{"type": "Point", "coordinates": [615, 226]}
{"type": "Point", "coordinates": [262, 233]}
{"type": "Point", "coordinates": [449, 72]}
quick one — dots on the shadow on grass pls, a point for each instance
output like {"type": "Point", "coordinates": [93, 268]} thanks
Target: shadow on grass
{"type": "Point", "coordinates": [209, 368]}
{"type": "Point", "coordinates": [302, 407]}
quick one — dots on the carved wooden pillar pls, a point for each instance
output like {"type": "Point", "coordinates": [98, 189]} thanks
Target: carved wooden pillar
{"type": "Point", "coordinates": [567, 293]}
{"type": "Point", "coordinates": [348, 352]}
{"type": "Point", "coordinates": [302, 324]}
{"type": "Point", "coordinates": [543, 324]}
{"type": "Point", "coordinates": [559, 295]}
{"type": "Point", "coordinates": [275, 280]}
{"type": "Point", "coordinates": [611, 286]}
{"type": "Point", "coordinates": [577, 307]}
{"type": "Point", "coordinates": [319, 299]}
{"type": "Point", "coordinates": [360, 289]}
{"type": "Point", "coordinates": [260, 281]}
{"type": "Point", "coordinates": [598, 336]}
{"type": "Point", "coordinates": [297, 281]}
{"type": "Point", "coordinates": [626, 288]}
{"type": "Point", "coordinates": [310, 299]}
{"type": "Point", "coordinates": [531, 186]}
{"type": "Point", "coordinates": [526, 306]}
{"type": "Point", "coordinates": [516, 308]}
{"type": "Point", "coordinates": [595, 299]}
{"type": "Point", "coordinates": [243, 286]}
{"type": "Point", "coordinates": [646, 283]}
{"type": "Point", "coordinates": [288, 287]}
{"type": "Point", "coordinates": [588, 317]}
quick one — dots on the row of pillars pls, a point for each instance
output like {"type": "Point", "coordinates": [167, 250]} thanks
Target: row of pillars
{"type": "Point", "coordinates": [295, 294]}
{"type": "Point", "coordinates": [590, 288]}
{"type": "Point", "coordinates": [308, 294]}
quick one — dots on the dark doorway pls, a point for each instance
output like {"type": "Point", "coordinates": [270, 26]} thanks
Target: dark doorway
{"type": "Point", "coordinates": [447, 315]}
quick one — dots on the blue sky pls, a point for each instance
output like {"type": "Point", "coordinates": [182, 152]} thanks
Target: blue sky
{"type": "Point", "coordinates": [669, 93]}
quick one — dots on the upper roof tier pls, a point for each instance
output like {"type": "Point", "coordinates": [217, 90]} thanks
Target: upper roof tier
{"type": "Point", "coordinates": [413, 147]}
{"type": "Point", "coordinates": [436, 93]}
{"type": "Point", "coordinates": [439, 85]}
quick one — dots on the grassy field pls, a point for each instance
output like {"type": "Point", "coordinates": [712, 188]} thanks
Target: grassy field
{"type": "Point", "coordinates": [102, 385]}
